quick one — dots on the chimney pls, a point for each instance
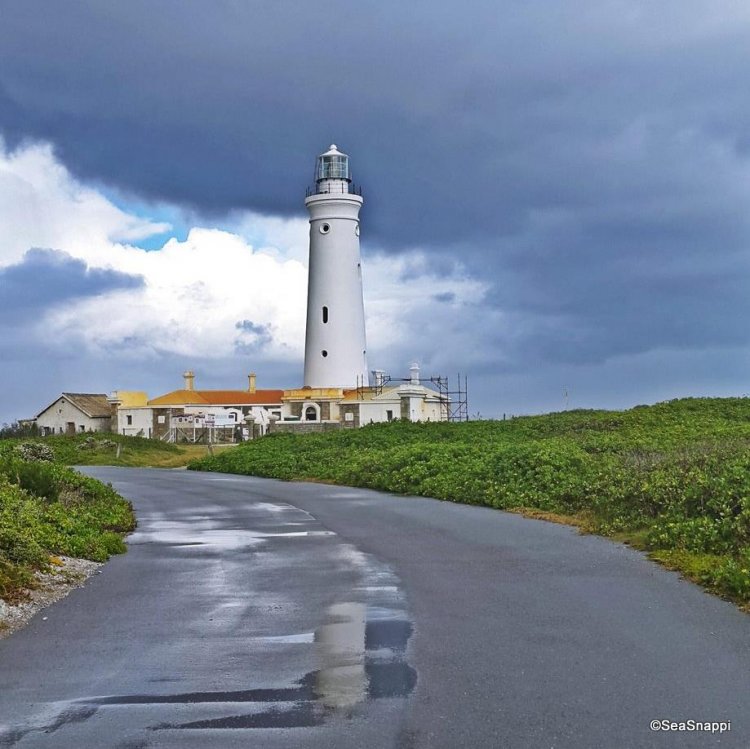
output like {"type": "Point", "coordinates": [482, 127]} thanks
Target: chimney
{"type": "Point", "coordinates": [414, 372]}
{"type": "Point", "coordinates": [251, 382]}
{"type": "Point", "coordinates": [189, 379]}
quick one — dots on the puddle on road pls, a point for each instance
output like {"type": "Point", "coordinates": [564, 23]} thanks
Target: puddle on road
{"type": "Point", "coordinates": [296, 534]}
{"type": "Point", "coordinates": [302, 715]}
{"type": "Point", "coordinates": [359, 659]}
{"type": "Point", "coordinates": [359, 649]}
{"type": "Point", "coordinates": [388, 635]}
{"type": "Point", "coordinates": [68, 715]}
{"type": "Point", "coordinates": [180, 535]}
{"type": "Point", "coordinates": [340, 649]}
{"type": "Point", "coordinates": [302, 637]}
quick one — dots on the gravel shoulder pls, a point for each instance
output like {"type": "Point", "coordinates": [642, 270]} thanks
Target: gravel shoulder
{"type": "Point", "coordinates": [65, 574]}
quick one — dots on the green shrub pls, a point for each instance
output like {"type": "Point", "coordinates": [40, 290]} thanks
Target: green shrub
{"type": "Point", "coordinates": [47, 508]}
{"type": "Point", "coordinates": [733, 576]}
{"type": "Point", "coordinates": [34, 451]}
{"type": "Point", "coordinates": [37, 479]}
{"type": "Point", "coordinates": [676, 474]}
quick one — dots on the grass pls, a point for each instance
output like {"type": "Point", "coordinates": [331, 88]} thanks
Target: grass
{"type": "Point", "coordinates": [102, 449]}
{"type": "Point", "coordinates": [47, 509]}
{"type": "Point", "coordinates": [672, 479]}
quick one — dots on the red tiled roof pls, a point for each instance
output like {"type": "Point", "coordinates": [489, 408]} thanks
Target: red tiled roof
{"type": "Point", "coordinates": [218, 398]}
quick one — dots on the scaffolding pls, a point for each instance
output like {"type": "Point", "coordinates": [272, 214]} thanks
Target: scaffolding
{"type": "Point", "coordinates": [454, 401]}
{"type": "Point", "coordinates": [380, 380]}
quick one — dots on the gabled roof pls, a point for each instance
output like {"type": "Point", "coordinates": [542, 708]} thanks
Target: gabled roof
{"type": "Point", "coordinates": [218, 398]}
{"type": "Point", "coordinates": [93, 405]}
{"type": "Point", "coordinates": [390, 393]}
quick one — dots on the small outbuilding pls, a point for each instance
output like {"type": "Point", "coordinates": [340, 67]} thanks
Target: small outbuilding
{"type": "Point", "coordinates": [74, 413]}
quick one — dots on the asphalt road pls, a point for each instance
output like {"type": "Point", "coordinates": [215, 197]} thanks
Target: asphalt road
{"type": "Point", "coordinates": [255, 613]}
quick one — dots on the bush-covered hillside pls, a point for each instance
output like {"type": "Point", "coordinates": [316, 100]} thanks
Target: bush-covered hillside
{"type": "Point", "coordinates": [46, 509]}
{"type": "Point", "coordinates": [673, 478]}
{"type": "Point", "coordinates": [104, 449]}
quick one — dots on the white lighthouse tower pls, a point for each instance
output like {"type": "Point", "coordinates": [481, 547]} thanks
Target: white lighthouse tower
{"type": "Point", "coordinates": [335, 349]}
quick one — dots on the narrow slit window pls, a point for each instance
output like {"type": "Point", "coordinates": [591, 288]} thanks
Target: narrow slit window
{"type": "Point", "coordinates": [325, 314]}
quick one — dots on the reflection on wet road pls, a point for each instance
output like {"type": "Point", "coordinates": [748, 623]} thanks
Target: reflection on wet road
{"type": "Point", "coordinates": [340, 646]}
{"type": "Point", "coordinates": [271, 621]}
{"type": "Point", "coordinates": [359, 659]}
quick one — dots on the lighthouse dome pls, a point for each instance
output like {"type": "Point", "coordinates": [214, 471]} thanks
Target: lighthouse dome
{"type": "Point", "coordinates": [333, 164]}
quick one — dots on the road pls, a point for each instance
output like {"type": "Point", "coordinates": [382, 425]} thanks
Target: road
{"type": "Point", "coordinates": [255, 613]}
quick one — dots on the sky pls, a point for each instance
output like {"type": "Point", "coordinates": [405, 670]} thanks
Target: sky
{"type": "Point", "coordinates": [556, 194]}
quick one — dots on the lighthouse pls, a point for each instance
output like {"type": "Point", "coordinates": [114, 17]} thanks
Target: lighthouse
{"type": "Point", "coordinates": [335, 348]}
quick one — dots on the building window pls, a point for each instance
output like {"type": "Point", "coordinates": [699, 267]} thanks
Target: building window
{"type": "Point", "coordinates": [310, 414]}
{"type": "Point", "coordinates": [161, 419]}
{"type": "Point", "coordinates": [389, 415]}
{"type": "Point", "coordinates": [325, 228]}
{"type": "Point", "coordinates": [130, 420]}
{"type": "Point", "coordinates": [324, 353]}
{"type": "Point", "coordinates": [325, 314]}
{"type": "Point", "coordinates": [81, 428]}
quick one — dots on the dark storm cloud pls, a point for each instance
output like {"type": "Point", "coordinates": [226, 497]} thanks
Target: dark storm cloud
{"type": "Point", "coordinates": [589, 160]}
{"type": "Point", "coordinates": [252, 337]}
{"type": "Point", "coordinates": [45, 278]}
{"type": "Point", "coordinates": [446, 296]}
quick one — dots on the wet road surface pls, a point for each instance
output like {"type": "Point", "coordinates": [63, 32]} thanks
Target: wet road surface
{"type": "Point", "coordinates": [255, 613]}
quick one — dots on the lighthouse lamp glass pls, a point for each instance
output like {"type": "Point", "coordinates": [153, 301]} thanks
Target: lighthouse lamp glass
{"type": "Point", "coordinates": [333, 167]}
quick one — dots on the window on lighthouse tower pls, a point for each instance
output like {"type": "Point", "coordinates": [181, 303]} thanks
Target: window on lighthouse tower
{"type": "Point", "coordinates": [325, 314]}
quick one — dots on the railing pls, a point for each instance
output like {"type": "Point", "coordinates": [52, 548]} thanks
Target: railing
{"type": "Point", "coordinates": [338, 186]}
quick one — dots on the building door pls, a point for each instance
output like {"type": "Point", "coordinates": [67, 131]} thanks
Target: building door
{"type": "Point", "coordinates": [70, 427]}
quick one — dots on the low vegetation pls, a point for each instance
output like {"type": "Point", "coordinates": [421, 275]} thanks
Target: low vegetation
{"type": "Point", "coordinates": [673, 479]}
{"type": "Point", "coordinates": [107, 450]}
{"type": "Point", "coordinates": [46, 509]}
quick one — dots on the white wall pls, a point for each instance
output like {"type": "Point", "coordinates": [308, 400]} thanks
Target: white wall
{"type": "Point", "coordinates": [335, 282]}
{"type": "Point", "coordinates": [422, 406]}
{"type": "Point", "coordinates": [377, 411]}
{"type": "Point", "coordinates": [141, 421]}
{"type": "Point", "coordinates": [57, 417]}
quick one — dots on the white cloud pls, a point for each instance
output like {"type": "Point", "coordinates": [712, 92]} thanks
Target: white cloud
{"type": "Point", "coordinates": [196, 291]}
{"type": "Point", "coordinates": [42, 206]}
{"type": "Point", "coordinates": [414, 312]}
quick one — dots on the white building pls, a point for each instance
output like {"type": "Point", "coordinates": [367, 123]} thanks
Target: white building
{"type": "Point", "coordinates": [198, 415]}
{"type": "Point", "coordinates": [335, 348]}
{"type": "Point", "coordinates": [336, 389]}
{"type": "Point", "coordinates": [321, 409]}
{"type": "Point", "coordinates": [74, 413]}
